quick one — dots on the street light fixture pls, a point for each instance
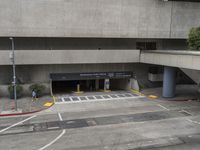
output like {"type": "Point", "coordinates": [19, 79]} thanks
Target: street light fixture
{"type": "Point", "coordinates": [12, 58]}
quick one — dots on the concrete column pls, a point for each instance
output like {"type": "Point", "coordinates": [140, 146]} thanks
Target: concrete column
{"type": "Point", "coordinates": [169, 82]}
{"type": "Point", "coordinates": [106, 84]}
{"type": "Point", "coordinates": [134, 84]}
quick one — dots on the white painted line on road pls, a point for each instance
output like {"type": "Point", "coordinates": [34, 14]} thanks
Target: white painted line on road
{"type": "Point", "coordinates": [186, 112]}
{"type": "Point", "coordinates": [71, 99]}
{"type": "Point", "coordinates": [52, 142]}
{"type": "Point", "coordinates": [117, 96]}
{"type": "Point", "coordinates": [87, 98]}
{"type": "Point", "coordinates": [51, 128]}
{"type": "Point", "coordinates": [60, 117]}
{"type": "Point", "coordinates": [109, 96]}
{"type": "Point", "coordinates": [196, 122]}
{"type": "Point", "coordinates": [63, 100]}
{"type": "Point", "coordinates": [98, 100]}
{"type": "Point", "coordinates": [17, 123]}
{"type": "Point", "coordinates": [57, 138]}
{"type": "Point", "coordinates": [79, 98]}
{"type": "Point", "coordinates": [163, 107]}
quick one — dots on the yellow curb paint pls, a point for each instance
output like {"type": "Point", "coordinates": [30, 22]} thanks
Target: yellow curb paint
{"type": "Point", "coordinates": [136, 92]}
{"type": "Point", "coordinates": [153, 96]}
{"type": "Point", "coordinates": [54, 99]}
{"type": "Point", "coordinates": [104, 90]}
{"type": "Point", "coordinates": [80, 92]}
{"type": "Point", "coordinates": [48, 104]}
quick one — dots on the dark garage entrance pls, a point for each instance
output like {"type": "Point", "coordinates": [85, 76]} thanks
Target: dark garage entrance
{"type": "Point", "coordinates": [67, 82]}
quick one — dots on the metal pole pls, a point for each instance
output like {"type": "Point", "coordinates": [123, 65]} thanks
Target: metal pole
{"type": "Point", "coordinates": [14, 73]}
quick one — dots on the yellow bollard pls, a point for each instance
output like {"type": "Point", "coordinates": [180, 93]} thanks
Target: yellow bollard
{"type": "Point", "coordinates": [78, 91]}
{"type": "Point", "coordinates": [78, 88]}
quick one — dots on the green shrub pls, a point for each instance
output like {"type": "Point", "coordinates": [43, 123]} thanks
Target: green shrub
{"type": "Point", "coordinates": [38, 88]}
{"type": "Point", "coordinates": [194, 39]}
{"type": "Point", "coordinates": [19, 90]}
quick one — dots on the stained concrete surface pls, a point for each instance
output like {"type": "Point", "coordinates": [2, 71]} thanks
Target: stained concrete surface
{"type": "Point", "coordinates": [164, 126]}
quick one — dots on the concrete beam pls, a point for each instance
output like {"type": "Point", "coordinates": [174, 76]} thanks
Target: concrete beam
{"type": "Point", "coordinates": [181, 59]}
{"type": "Point", "coordinates": [28, 57]}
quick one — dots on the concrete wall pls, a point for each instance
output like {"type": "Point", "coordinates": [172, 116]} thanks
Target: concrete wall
{"type": "Point", "coordinates": [98, 18]}
{"type": "Point", "coordinates": [28, 74]}
{"type": "Point", "coordinates": [70, 56]}
{"type": "Point", "coordinates": [40, 73]}
{"type": "Point", "coordinates": [180, 59]}
{"type": "Point", "coordinates": [193, 74]}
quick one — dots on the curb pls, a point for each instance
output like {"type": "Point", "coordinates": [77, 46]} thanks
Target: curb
{"type": "Point", "coordinates": [23, 113]}
{"type": "Point", "coordinates": [181, 100]}
{"type": "Point", "coordinates": [137, 92]}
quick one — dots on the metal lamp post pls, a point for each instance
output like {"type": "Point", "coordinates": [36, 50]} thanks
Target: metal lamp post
{"type": "Point", "coordinates": [12, 57]}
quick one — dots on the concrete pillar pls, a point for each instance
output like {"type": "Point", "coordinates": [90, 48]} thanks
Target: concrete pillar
{"type": "Point", "coordinates": [133, 84]}
{"type": "Point", "coordinates": [106, 84]}
{"type": "Point", "coordinates": [169, 82]}
{"type": "Point", "coordinates": [97, 84]}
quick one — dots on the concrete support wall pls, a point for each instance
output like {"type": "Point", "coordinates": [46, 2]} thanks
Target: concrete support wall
{"type": "Point", "coordinates": [25, 57]}
{"type": "Point", "coordinates": [98, 18]}
{"type": "Point", "coordinates": [40, 73]}
{"type": "Point", "coordinates": [193, 74]}
{"type": "Point", "coordinates": [28, 74]}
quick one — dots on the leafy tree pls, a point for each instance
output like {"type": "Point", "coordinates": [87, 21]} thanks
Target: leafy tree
{"type": "Point", "coordinates": [19, 90]}
{"type": "Point", "coordinates": [194, 39]}
{"type": "Point", "coordinates": [38, 88]}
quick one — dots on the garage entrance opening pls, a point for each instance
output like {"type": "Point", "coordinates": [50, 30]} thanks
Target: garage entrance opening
{"type": "Point", "coordinates": [88, 82]}
{"type": "Point", "coordinates": [71, 86]}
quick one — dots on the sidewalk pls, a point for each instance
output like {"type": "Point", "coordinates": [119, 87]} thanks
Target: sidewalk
{"type": "Point", "coordinates": [183, 92]}
{"type": "Point", "coordinates": [24, 105]}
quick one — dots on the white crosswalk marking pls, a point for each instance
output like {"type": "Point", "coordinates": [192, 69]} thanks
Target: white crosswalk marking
{"type": "Point", "coordinates": [93, 98]}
